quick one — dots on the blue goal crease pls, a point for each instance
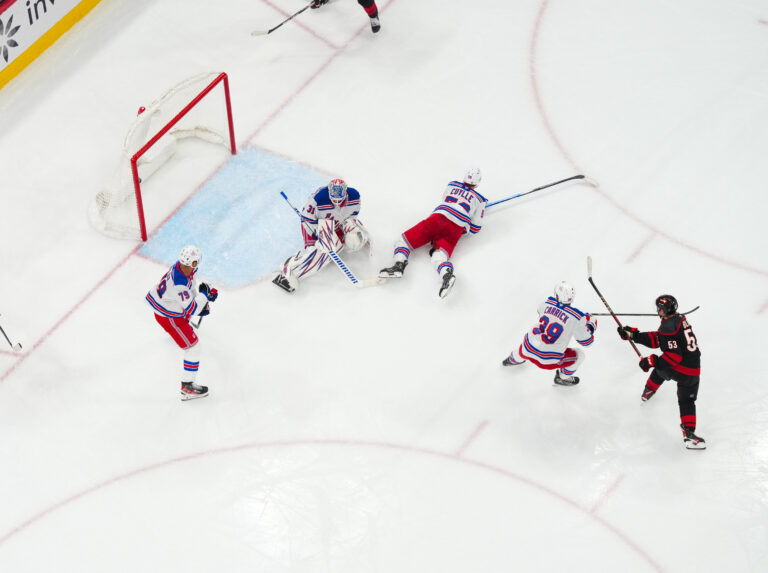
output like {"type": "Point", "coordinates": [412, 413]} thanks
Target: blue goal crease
{"type": "Point", "coordinates": [239, 220]}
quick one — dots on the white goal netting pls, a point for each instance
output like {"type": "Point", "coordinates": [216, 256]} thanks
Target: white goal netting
{"type": "Point", "coordinates": [193, 108]}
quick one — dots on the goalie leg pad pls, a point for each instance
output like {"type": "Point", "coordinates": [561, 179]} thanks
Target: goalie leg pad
{"type": "Point", "coordinates": [304, 264]}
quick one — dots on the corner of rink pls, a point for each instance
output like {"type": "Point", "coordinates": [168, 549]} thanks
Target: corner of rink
{"type": "Point", "coordinates": [239, 219]}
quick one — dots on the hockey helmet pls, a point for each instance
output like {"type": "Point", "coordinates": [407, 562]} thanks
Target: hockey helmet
{"type": "Point", "coordinates": [564, 292]}
{"type": "Point", "coordinates": [337, 190]}
{"type": "Point", "coordinates": [190, 256]}
{"type": "Point", "coordinates": [667, 303]}
{"type": "Point", "coordinates": [473, 176]}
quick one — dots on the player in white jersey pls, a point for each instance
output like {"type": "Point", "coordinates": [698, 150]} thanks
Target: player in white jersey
{"type": "Point", "coordinates": [461, 211]}
{"type": "Point", "coordinates": [175, 300]}
{"type": "Point", "coordinates": [546, 345]}
{"type": "Point", "coordinates": [328, 223]}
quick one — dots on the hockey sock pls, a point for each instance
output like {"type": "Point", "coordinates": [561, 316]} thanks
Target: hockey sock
{"type": "Point", "coordinates": [191, 363]}
{"type": "Point", "coordinates": [370, 7]}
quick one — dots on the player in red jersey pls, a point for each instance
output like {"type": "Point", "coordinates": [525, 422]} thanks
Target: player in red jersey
{"type": "Point", "coordinates": [680, 361]}
{"type": "Point", "coordinates": [368, 5]}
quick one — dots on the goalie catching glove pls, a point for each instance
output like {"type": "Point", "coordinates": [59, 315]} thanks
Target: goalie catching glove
{"type": "Point", "coordinates": [209, 292]}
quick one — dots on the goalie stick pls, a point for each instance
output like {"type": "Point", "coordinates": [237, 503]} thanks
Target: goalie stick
{"type": "Point", "coordinates": [610, 310]}
{"type": "Point", "coordinates": [694, 309]}
{"type": "Point", "coordinates": [492, 203]}
{"type": "Point", "coordinates": [359, 283]}
{"type": "Point", "coordinates": [15, 347]}
{"type": "Point", "coordinates": [265, 32]}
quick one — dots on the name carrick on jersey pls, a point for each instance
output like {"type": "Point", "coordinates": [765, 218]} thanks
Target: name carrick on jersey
{"type": "Point", "coordinates": [677, 342]}
{"type": "Point", "coordinates": [176, 295]}
{"type": "Point", "coordinates": [558, 323]}
{"type": "Point", "coordinates": [320, 206]}
{"type": "Point", "coordinates": [464, 206]}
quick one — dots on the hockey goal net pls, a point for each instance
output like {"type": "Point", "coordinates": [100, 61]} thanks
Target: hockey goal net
{"type": "Point", "coordinates": [191, 109]}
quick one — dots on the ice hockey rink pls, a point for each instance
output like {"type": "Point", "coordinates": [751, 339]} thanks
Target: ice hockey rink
{"type": "Point", "coordinates": [375, 430]}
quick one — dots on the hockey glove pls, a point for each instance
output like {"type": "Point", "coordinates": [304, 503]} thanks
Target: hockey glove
{"type": "Point", "coordinates": [591, 325]}
{"type": "Point", "coordinates": [209, 293]}
{"type": "Point", "coordinates": [649, 362]}
{"type": "Point", "coordinates": [627, 332]}
{"type": "Point", "coordinates": [206, 310]}
{"type": "Point", "coordinates": [318, 3]}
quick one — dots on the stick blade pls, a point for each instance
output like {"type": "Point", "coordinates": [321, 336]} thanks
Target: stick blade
{"type": "Point", "coordinates": [16, 347]}
{"type": "Point", "coordinates": [589, 266]}
{"type": "Point", "coordinates": [259, 32]}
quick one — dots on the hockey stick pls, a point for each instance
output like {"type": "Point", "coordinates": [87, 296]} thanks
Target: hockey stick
{"type": "Point", "coordinates": [265, 32]}
{"type": "Point", "coordinates": [694, 309]}
{"type": "Point", "coordinates": [610, 310]}
{"type": "Point", "coordinates": [492, 203]}
{"type": "Point", "coordinates": [15, 347]}
{"type": "Point", "coordinates": [199, 320]}
{"type": "Point", "coordinates": [339, 263]}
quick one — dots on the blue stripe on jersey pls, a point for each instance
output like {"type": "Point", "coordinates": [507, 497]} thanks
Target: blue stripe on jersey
{"type": "Point", "coordinates": [587, 341]}
{"type": "Point", "coordinates": [179, 278]}
{"type": "Point", "coordinates": [160, 309]}
{"type": "Point", "coordinates": [458, 214]}
{"type": "Point", "coordinates": [574, 312]}
{"type": "Point", "coordinates": [543, 355]}
{"type": "Point", "coordinates": [460, 185]}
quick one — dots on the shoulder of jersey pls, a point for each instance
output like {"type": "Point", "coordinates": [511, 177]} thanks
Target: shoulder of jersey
{"type": "Point", "coordinates": [671, 324]}
{"type": "Point", "coordinates": [353, 196]}
{"type": "Point", "coordinates": [573, 311]}
{"type": "Point", "coordinates": [465, 187]}
{"type": "Point", "coordinates": [179, 278]}
{"type": "Point", "coordinates": [323, 199]}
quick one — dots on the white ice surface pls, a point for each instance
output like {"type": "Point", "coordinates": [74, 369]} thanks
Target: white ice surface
{"type": "Point", "coordinates": [375, 430]}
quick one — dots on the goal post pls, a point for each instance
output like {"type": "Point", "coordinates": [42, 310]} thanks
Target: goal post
{"type": "Point", "coordinates": [193, 113]}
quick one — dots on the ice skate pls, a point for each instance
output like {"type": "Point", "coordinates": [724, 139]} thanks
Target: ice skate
{"type": "Point", "coordinates": [281, 281]}
{"type": "Point", "coordinates": [395, 271]}
{"type": "Point", "coordinates": [448, 279]}
{"type": "Point", "coordinates": [691, 440]}
{"type": "Point", "coordinates": [375, 24]}
{"type": "Point", "coordinates": [565, 380]}
{"type": "Point", "coordinates": [190, 391]}
{"type": "Point", "coordinates": [647, 394]}
{"type": "Point", "coordinates": [508, 362]}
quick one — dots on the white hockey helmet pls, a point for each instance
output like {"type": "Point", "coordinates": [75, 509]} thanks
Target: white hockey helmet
{"type": "Point", "coordinates": [337, 190]}
{"type": "Point", "coordinates": [564, 292]}
{"type": "Point", "coordinates": [190, 255]}
{"type": "Point", "coordinates": [473, 176]}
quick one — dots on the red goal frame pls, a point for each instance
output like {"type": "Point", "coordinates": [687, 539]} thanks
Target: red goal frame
{"type": "Point", "coordinates": [220, 79]}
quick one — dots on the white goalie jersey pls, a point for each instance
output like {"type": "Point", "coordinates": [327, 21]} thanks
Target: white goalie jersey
{"type": "Point", "coordinates": [558, 323]}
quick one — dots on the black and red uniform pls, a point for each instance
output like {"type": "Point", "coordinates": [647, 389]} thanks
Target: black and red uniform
{"type": "Point", "coordinates": [680, 361]}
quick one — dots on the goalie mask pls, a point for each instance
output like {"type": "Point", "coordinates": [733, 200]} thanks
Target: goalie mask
{"type": "Point", "coordinates": [337, 190]}
{"type": "Point", "coordinates": [667, 303]}
{"type": "Point", "coordinates": [190, 255]}
{"type": "Point", "coordinates": [564, 292]}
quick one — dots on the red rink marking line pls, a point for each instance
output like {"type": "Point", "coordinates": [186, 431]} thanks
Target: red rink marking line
{"type": "Point", "coordinates": [561, 147]}
{"type": "Point", "coordinates": [28, 351]}
{"type": "Point", "coordinates": [471, 438]}
{"type": "Point", "coordinates": [608, 491]}
{"type": "Point", "coordinates": [626, 539]}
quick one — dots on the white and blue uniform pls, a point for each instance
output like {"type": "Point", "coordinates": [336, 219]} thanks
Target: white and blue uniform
{"type": "Point", "coordinates": [176, 295]}
{"type": "Point", "coordinates": [319, 206]}
{"type": "Point", "coordinates": [464, 206]}
{"type": "Point", "coordinates": [546, 345]}
{"type": "Point", "coordinates": [325, 226]}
